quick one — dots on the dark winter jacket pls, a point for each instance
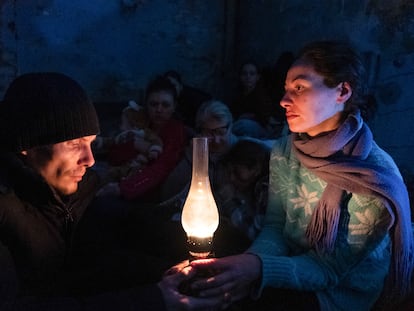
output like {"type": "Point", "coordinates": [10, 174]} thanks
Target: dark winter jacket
{"type": "Point", "coordinates": [36, 230]}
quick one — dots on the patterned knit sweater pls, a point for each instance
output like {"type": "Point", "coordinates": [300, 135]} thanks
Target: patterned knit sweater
{"type": "Point", "coordinates": [349, 278]}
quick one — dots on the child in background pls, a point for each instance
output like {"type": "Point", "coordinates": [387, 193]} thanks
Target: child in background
{"type": "Point", "coordinates": [241, 187]}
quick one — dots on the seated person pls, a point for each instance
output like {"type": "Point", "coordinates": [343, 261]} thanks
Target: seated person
{"type": "Point", "coordinates": [45, 189]}
{"type": "Point", "coordinates": [338, 231]}
{"type": "Point", "coordinates": [238, 176]}
{"type": "Point", "coordinates": [123, 154]}
{"type": "Point", "coordinates": [215, 121]}
{"type": "Point", "coordinates": [160, 103]}
{"type": "Point", "coordinates": [240, 188]}
{"type": "Point", "coordinates": [252, 107]}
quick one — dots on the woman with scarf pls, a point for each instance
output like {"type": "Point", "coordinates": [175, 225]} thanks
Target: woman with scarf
{"type": "Point", "coordinates": [337, 234]}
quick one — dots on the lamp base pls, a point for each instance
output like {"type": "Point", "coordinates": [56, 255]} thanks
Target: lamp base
{"type": "Point", "coordinates": [199, 248]}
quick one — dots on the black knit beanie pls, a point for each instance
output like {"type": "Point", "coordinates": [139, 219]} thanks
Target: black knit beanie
{"type": "Point", "coordinates": [45, 108]}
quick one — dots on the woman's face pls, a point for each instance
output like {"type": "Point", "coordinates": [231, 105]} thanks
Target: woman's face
{"type": "Point", "coordinates": [218, 133]}
{"type": "Point", "coordinates": [160, 107]}
{"type": "Point", "coordinates": [311, 106]}
{"type": "Point", "coordinates": [249, 76]}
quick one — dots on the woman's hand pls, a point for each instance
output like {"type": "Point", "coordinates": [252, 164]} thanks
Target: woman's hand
{"type": "Point", "coordinates": [232, 277]}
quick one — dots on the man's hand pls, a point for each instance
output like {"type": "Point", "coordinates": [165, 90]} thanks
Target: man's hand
{"type": "Point", "coordinates": [176, 300]}
{"type": "Point", "coordinates": [234, 276]}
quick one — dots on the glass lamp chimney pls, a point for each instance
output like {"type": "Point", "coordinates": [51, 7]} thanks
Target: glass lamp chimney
{"type": "Point", "coordinates": [200, 217]}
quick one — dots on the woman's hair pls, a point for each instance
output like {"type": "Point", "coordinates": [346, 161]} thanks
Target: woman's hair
{"type": "Point", "coordinates": [159, 84]}
{"type": "Point", "coordinates": [213, 109]}
{"type": "Point", "coordinates": [337, 62]}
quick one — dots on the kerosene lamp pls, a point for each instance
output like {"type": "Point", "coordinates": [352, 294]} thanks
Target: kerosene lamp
{"type": "Point", "coordinates": [200, 217]}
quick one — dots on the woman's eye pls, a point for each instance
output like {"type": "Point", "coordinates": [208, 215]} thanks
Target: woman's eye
{"type": "Point", "coordinates": [299, 88]}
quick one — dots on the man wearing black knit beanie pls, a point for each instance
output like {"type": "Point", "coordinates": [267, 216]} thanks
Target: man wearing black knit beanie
{"type": "Point", "coordinates": [47, 126]}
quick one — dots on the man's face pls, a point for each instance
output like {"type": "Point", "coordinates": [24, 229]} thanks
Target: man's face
{"type": "Point", "coordinates": [67, 165]}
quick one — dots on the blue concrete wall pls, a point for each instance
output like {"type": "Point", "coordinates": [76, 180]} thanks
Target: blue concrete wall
{"type": "Point", "coordinates": [114, 47]}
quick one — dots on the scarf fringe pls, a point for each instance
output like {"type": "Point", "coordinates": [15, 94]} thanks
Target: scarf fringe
{"type": "Point", "coordinates": [398, 283]}
{"type": "Point", "coordinates": [323, 227]}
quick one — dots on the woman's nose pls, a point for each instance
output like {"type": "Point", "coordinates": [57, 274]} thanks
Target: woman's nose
{"type": "Point", "coordinates": [285, 101]}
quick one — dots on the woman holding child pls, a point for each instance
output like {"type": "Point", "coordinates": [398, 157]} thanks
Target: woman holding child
{"type": "Point", "coordinates": [160, 103]}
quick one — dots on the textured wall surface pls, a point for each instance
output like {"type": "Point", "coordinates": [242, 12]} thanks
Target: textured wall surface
{"type": "Point", "coordinates": [113, 47]}
{"type": "Point", "coordinates": [382, 30]}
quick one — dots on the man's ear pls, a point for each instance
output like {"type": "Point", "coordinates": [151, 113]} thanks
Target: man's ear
{"type": "Point", "coordinates": [345, 92]}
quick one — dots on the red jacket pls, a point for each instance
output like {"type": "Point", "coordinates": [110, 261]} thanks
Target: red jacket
{"type": "Point", "coordinates": [174, 138]}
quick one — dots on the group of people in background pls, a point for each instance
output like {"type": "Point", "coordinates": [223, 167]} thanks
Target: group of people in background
{"type": "Point", "coordinates": [253, 113]}
{"type": "Point", "coordinates": [238, 163]}
{"type": "Point", "coordinates": [316, 217]}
